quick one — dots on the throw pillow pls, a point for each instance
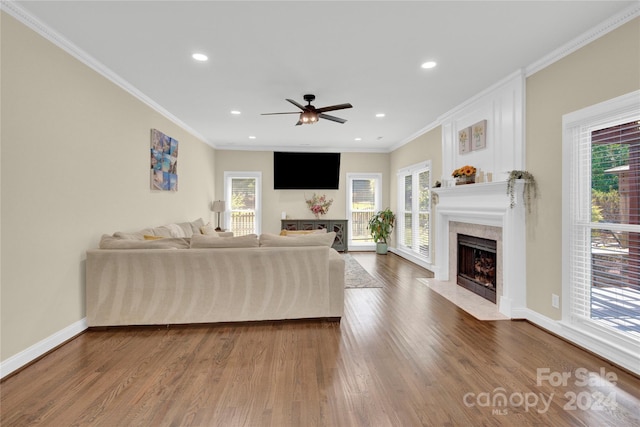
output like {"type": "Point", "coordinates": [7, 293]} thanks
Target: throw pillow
{"type": "Point", "coordinates": [186, 228]}
{"type": "Point", "coordinates": [202, 241]}
{"type": "Point", "coordinates": [313, 239]}
{"type": "Point", "coordinates": [148, 237]}
{"type": "Point", "coordinates": [136, 235]}
{"type": "Point", "coordinates": [209, 230]}
{"type": "Point", "coordinates": [195, 225]}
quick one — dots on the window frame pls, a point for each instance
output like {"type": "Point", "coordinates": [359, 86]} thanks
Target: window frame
{"type": "Point", "coordinates": [377, 177]}
{"type": "Point", "coordinates": [409, 251]}
{"type": "Point", "coordinates": [576, 223]}
{"type": "Point", "coordinates": [228, 177]}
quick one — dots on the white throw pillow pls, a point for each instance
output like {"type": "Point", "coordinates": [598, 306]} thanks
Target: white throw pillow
{"type": "Point", "coordinates": [209, 230]}
{"type": "Point", "coordinates": [272, 240]}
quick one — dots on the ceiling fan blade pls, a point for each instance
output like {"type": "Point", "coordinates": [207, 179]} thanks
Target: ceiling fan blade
{"type": "Point", "coordinates": [332, 118]}
{"type": "Point", "coordinates": [299, 123]}
{"type": "Point", "coordinates": [296, 104]}
{"type": "Point", "coordinates": [333, 108]}
{"type": "Point", "coordinates": [271, 114]}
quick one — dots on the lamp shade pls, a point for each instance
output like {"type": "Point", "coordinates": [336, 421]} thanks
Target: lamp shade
{"type": "Point", "coordinates": [218, 206]}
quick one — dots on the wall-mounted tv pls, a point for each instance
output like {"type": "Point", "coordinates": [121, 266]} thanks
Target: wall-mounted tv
{"type": "Point", "coordinates": [306, 171]}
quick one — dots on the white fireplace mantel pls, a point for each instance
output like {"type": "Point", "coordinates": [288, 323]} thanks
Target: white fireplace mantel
{"type": "Point", "coordinates": [486, 204]}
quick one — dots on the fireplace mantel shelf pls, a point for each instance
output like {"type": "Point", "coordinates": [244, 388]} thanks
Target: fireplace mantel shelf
{"type": "Point", "coordinates": [479, 188]}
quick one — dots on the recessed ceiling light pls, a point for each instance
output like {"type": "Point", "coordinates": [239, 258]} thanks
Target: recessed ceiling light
{"type": "Point", "coordinates": [200, 57]}
{"type": "Point", "coordinates": [429, 64]}
{"type": "Point", "coordinates": [380, 115]}
{"type": "Point", "coordinates": [235, 112]}
{"type": "Point", "coordinates": [252, 137]}
{"type": "Point", "coordinates": [358, 139]}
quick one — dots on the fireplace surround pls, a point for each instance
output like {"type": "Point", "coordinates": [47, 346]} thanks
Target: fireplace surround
{"type": "Point", "coordinates": [483, 210]}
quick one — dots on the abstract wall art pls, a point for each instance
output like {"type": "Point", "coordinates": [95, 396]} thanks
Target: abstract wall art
{"type": "Point", "coordinates": [164, 162]}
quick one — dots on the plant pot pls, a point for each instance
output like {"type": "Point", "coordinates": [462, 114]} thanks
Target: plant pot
{"type": "Point", "coordinates": [382, 248]}
{"type": "Point", "coordinates": [464, 179]}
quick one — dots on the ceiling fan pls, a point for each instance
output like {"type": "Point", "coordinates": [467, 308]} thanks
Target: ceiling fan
{"type": "Point", "coordinates": [311, 114]}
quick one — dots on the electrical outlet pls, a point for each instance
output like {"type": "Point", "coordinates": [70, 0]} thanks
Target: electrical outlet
{"type": "Point", "coordinates": [555, 301]}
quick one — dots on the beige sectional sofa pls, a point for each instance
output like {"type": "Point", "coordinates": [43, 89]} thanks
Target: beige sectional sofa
{"type": "Point", "coordinates": [136, 280]}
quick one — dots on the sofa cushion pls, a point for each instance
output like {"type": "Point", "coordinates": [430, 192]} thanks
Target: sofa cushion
{"type": "Point", "coordinates": [111, 242]}
{"type": "Point", "coordinates": [314, 239]}
{"type": "Point", "coordinates": [202, 241]}
{"type": "Point", "coordinates": [301, 232]}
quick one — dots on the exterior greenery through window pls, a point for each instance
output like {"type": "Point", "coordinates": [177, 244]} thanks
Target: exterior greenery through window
{"type": "Point", "coordinates": [363, 201]}
{"type": "Point", "coordinates": [414, 210]}
{"type": "Point", "coordinates": [242, 192]}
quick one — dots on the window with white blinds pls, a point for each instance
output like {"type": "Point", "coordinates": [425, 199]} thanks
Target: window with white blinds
{"type": "Point", "coordinates": [601, 217]}
{"type": "Point", "coordinates": [363, 201]}
{"type": "Point", "coordinates": [414, 210]}
{"type": "Point", "coordinates": [243, 196]}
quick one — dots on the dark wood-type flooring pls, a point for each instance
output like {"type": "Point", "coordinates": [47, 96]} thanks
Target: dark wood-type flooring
{"type": "Point", "coordinates": [402, 356]}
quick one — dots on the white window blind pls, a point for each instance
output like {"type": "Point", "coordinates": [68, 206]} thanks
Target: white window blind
{"type": "Point", "coordinates": [602, 216]}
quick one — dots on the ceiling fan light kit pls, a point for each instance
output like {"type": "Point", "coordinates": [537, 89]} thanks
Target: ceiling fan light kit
{"type": "Point", "coordinates": [311, 114]}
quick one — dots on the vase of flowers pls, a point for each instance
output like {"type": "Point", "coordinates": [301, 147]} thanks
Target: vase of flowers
{"type": "Point", "coordinates": [318, 205]}
{"type": "Point", "coordinates": [465, 175]}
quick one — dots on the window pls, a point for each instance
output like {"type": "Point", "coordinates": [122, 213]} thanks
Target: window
{"type": "Point", "coordinates": [363, 201]}
{"type": "Point", "coordinates": [243, 192]}
{"type": "Point", "coordinates": [414, 211]}
{"type": "Point", "coordinates": [601, 219]}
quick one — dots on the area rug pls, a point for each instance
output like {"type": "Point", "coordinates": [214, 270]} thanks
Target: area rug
{"type": "Point", "coordinates": [355, 276]}
{"type": "Point", "coordinates": [473, 304]}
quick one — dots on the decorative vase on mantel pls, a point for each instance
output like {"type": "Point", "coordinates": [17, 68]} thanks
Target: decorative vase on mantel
{"type": "Point", "coordinates": [464, 179]}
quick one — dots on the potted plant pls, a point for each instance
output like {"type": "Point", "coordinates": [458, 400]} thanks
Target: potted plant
{"type": "Point", "coordinates": [381, 226]}
{"type": "Point", "coordinates": [530, 190]}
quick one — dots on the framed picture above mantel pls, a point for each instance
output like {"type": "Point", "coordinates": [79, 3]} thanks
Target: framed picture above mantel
{"type": "Point", "coordinates": [472, 138]}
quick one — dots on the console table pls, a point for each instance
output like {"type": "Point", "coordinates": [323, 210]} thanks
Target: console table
{"type": "Point", "coordinates": [337, 225]}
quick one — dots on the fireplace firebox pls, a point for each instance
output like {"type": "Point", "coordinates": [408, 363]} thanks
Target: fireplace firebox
{"type": "Point", "coordinates": [477, 265]}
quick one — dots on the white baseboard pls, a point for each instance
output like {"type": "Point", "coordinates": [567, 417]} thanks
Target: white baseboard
{"type": "Point", "coordinates": [610, 350]}
{"type": "Point", "coordinates": [40, 348]}
{"type": "Point", "coordinates": [414, 259]}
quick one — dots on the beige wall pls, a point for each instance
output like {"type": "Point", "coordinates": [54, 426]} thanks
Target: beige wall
{"type": "Point", "coordinates": [425, 147]}
{"type": "Point", "coordinates": [293, 201]}
{"type": "Point", "coordinates": [604, 69]}
{"type": "Point", "coordinates": [75, 158]}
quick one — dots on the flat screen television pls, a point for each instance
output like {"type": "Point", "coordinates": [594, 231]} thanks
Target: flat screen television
{"type": "Point", "coordinates": [306, 171]}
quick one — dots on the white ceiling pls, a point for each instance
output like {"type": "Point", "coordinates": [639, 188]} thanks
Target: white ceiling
{"type": "Point", "coordinates": [367, 53]}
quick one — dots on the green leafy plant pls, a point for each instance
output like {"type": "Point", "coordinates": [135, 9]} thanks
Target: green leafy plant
{"type": "Point", "coordinates": [381, 225]}
{"type": "Point", "coordinates": [530, 187]}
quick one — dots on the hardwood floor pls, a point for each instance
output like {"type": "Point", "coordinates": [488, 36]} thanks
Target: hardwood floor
{"type": "Point", "coordinates": [402, 356]}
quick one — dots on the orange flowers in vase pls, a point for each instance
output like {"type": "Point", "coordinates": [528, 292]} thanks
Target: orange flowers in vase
{"type": "Point", "coordinates": [465, 175]}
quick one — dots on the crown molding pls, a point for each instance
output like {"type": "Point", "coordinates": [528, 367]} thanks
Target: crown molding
{"type": "Point", "coordinates": [584, 39]}
{"type": "Point", "coordinates": [63, 43]}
